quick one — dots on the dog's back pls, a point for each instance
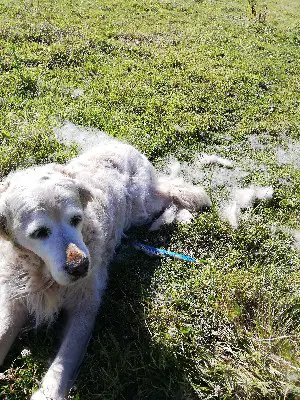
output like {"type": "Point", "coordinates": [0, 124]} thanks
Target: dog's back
{"type": "Point", "coordinates": [124, 175]}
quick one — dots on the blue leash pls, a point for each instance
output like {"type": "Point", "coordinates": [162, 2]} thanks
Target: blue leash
{"type": "Point", "coordinates": [154, 251]}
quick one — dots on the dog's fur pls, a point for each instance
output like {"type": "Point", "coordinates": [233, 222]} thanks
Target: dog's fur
{"type": "Point", "coordinates": [59, 229]}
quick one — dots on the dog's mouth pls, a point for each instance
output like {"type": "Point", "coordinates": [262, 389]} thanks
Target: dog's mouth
{"type": "Point", "coordinates": [73, 272]}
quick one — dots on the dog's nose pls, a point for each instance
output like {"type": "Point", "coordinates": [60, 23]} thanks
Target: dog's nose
{"type": "Point", "coordinates": [73, 253]}
{"type": "Point", "coordinates": [77, 263]}
{"type": "Point", "coordinates": [77, 269]}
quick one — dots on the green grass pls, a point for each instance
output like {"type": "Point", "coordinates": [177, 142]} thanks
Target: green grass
{"type": "Point", "coordinates": [171, 77]}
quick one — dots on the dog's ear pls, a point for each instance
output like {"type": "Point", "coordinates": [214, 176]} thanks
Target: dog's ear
{"type": "Point", "coordinates": [85, 195]}
{"type": "Point", "coordinates": [3, 186]}
{"type": "Point", "coordinates": [3, 220]}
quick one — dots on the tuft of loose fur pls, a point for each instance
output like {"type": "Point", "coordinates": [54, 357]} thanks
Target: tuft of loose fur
{"type": "Point", "coordinates": [243, 199]}
{"type": "Point", "coordinates": [206, 159]}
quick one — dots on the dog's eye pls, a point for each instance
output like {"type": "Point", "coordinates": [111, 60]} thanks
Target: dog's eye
{"type": "Point", "coordinates": [74, 221]}
{"type": "Point", "coordinates": [41, 233]}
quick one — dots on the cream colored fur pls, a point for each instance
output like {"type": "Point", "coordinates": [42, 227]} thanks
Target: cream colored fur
{"type": "Point", "coordinates": [112, 188]}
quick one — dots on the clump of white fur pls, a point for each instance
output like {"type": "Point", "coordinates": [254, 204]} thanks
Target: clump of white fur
{"type": "Point", "coordinates": [296, 235]}
{"type": "Point", "coordinates": [244, 199]}
{"type": "Point", "coordinates": [289, 155]}
{"type": "Point", "coordinates": [206, 159]}
{"type": "Point", "coordinates": [85, 138]}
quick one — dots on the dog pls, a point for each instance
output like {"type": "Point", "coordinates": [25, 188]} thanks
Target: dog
{"type": "Point", "coordinates": [59, 228]}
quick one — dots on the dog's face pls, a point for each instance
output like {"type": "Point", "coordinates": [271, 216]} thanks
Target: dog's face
{"type": "Point", "coordinates": [42, 210]}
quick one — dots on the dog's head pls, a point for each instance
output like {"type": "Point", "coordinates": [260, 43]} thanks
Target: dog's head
{"type": "Point", "coordinates": [42, 210]}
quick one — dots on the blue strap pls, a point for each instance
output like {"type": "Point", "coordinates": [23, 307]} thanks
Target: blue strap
{"type": "Point", "coordinates": [154, 251]}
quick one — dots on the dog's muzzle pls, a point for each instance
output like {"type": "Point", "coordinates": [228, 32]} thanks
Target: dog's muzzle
{"type": "Point", "coordinates": [77, 264]}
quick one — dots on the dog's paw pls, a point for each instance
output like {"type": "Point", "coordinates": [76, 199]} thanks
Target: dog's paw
{"type": "Point", "coordinates": [39, 395]}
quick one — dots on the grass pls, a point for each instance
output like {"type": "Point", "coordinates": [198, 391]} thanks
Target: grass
{"type": "Point", "coordinates": [172, 78]}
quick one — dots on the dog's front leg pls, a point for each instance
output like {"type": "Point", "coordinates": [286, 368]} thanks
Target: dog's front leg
{"type": "Point", "coordinates": [63, 370]}
{"type": "Point", "coordinates": [13, 317]}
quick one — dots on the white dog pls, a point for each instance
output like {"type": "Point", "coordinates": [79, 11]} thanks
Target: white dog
{"type": "Point", "coordinates": [59, 229]}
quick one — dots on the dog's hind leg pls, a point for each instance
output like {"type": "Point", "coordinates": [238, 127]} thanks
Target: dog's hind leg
{"type": "Point", "coordinates": [178, 199]}
{"type": "Point", "coordinates": [182, 194]}
{"type": "Point", "coordinates": [12, 319]}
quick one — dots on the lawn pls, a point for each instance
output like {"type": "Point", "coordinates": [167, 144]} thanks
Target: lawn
{"type": "Point", "coordinates": [174, 78]}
